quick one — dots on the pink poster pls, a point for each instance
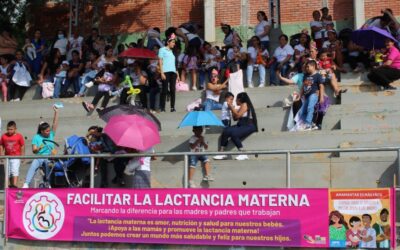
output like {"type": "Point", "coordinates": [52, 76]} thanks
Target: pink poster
{"type": "Point", "coordinates": [251, 217]}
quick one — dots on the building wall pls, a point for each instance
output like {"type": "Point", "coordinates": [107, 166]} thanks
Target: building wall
{"type": "Point", "coordinates": [122, 17]}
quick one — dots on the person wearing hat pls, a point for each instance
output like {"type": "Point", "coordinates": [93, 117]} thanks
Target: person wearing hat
{"type": "Point", "coordinates": [169, 74]}
{"type": "Point", "coordinates": [390, 70]}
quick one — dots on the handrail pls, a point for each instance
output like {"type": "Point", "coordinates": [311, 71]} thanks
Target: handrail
{"type": "Point", "coordinates": [249, 152]}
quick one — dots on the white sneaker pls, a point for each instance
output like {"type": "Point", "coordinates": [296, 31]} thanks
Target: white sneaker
{"type": "Point", "coordinates": [220, 157]}
{"type": "Point", "coordinates": [194, 88]}
{"type": "Point", "coordinates": [242, 157]}
{"type": "Point", "coordinates": [191, 184]}
{"type": "Point", "coordinates": [250, 85]}
{"type": "Point", "coordinates": [262, 85]}
{"type": "Point", "coordinates": [17, 100]}
{"type": "Point", "coordinates": [89, 84]}
{"type": "Point", "coordinates": [26, 185]}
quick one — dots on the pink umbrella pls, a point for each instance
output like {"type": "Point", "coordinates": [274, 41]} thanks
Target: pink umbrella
{"type": "Point", "coordinates": [132, 131]}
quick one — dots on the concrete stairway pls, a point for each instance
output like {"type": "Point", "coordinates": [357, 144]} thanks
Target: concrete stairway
{"type": "Point", "coordinates": [362, 118]}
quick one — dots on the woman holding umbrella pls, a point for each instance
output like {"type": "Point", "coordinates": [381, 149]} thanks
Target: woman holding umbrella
{"type": "Point", "coordinates": [390, 70]}
{"type": "Point", "coordinates": [169, 75]}
{"type": "Point", "coordinates": [246, 124]}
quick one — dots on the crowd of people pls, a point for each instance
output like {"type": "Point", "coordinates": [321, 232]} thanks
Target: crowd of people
{"type": "Point", "coordinates": [313, 60]}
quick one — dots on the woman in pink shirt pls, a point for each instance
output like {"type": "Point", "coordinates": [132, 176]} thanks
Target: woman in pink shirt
{"type": "Point", "coordinates": [390, 70]}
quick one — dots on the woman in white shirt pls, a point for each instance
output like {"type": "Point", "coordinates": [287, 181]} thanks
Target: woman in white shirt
{"type": "Point", "coordinates": [256, 59]}
{"type": "Point", "coordinates": [61, 43]}
{"type": "Point", "coordinates": [263, 29]}
{"type": "Point", "coordinates": [281, 59]}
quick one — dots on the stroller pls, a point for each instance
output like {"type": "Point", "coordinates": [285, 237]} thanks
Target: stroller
{"type": "Point", "coordinates": [70, 172]}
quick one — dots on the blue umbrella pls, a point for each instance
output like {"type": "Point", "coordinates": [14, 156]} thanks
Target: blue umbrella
{"type": "Point", "coordinates": [200, 118]}
{"type": "Point", "coordinates": [371, 37]}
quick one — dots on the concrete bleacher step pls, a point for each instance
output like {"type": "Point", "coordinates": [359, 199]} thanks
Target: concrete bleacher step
{"type": "Point", "coordinates": [388, 97]}
{"type": "Point", "coordinates": [286, 140]}
{"type": "Point", "coordinates": [271, 173]}
{"type": "Point", "coordinates": [371, 121]}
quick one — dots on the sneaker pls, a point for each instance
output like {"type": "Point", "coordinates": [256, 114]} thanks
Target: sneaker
{"type": "Point", "coordinates": [173, 110]}
{"type": "Point", "coordinates": [250, 85]}
{"type": "Point", "coordinates": [89, 84]}
{"type": "Point", "coordinates": [308, 128]}
{"type": "Point", "coordinates": [26, 185]}
{"type": "Point", "coordinates": [242, 157]}
{"type": "Point", "coordinates": [262, 85]}
{"type": "Point", "coordinates": [194, 88]}
{"type": "Point", "coordinates": [208, 178]}
{"type": "Point", "coordinates": [220, 157]}
{"type": "Point", "coordinates": [191, 184]}
{"type": "Point", "coordinates": [17, 100]}
{"type": "Point", "coordinates": [314, 127]}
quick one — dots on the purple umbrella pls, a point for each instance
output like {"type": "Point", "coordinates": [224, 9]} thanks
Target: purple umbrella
{"type": "Point", "coordinates": [371, 37]}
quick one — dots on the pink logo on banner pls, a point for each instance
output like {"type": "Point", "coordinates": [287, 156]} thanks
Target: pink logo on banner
{"type": "Point", "coordinates": [43, 215]}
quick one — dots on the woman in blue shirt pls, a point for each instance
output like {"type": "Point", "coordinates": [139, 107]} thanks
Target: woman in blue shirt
{"type": "Point", "coordinates": [41, 147]}
{"type": "Point", "coordinates": [169, 74]}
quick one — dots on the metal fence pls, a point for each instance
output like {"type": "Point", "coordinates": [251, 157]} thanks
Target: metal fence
{"type": "Point", "coordinates": [185, 155]}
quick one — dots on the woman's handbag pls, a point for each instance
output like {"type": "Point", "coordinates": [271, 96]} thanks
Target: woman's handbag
{"type": "Point", "coordinates": [181, 86]}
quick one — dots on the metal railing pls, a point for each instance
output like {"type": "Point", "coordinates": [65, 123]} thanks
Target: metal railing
{"type": "Point", "coordinates": [288, 153]}
{"type": "Point", "coordinates": [185, 155]}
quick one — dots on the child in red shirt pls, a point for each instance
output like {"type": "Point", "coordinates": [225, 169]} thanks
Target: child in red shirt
{"type": "Point", "coordinates": [326, 65]}
{"type": "Point", "coordinates": [12, 144]}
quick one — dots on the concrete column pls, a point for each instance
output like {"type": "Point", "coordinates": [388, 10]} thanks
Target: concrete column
{"type": "Point", "coordinates": [359, 13]}
{"type": "Point", "coordinates": [209, 20]}
{"type": "Point", "coordinates": [244, 13]}
{"type": "Point", "coordinates": [168, 14]}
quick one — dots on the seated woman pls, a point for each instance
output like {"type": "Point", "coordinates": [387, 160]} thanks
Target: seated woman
{"type": "Point", "coordinates": [213, 92]}
{"type": "Point", "coordinates": [42, 147]}
{"type": "Point", "coordinates": [281, 59]}
{"type": "Point", "coordinates": [390, 70]}
{"type": "Point", "coordinates": [257, 58]}
{"type": "Point", "coordinates": [246, 125]}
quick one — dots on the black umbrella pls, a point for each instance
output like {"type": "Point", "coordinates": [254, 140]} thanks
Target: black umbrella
{"type": "Point", "coordinates": [109, 112]}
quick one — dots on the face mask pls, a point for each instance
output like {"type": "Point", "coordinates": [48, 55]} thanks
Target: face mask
{"type": "Point", "coordinates": [60, 36]}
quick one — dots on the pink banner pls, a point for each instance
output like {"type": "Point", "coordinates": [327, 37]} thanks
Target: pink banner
{"type": "Point", "coordinates": [253, 217]}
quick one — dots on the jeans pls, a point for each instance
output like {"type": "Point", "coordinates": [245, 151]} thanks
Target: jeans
{"type": "Point", "coordinates": [265, 45]}
{"type": "Point", "coordinates": [273, 77]}
{"type": "Point", "coordinates": [37, 163]}
{"type": "Point", "coordinates": [85, 79]}
{"type": "Point", "coordinates": [307, 109]}
{"type": "Point", "coordinates": [261, 73]}
{"type": "Point", "coordinates": [236, 133]}
{"type": "Point", "coordinates": [58, 82]}
{"type": "Point", "coordinates": [211, 105]}
{"type": "Point", "coordinates": [170, 82]}
{"type": "Point", "coordinates": [74, 81]}
{"type": "Point", "coordinates": [193, 159]}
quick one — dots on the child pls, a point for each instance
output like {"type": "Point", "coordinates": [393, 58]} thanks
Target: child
{"type": "Point", "coordinates": [313, 87]}
{"type": "Point", "coordinates": [198, 144]}
{"type": "Point", "coordinates": [226, 113]}
{"type": "Point", "coordinates": [29, 49]}
{"type": "Point", "coordinates": [105, 85]}
{"type": "Point", "coordinates": [189, 64]}
{"type": "Point", "coordinates": [12, 144]}
{"type": "Point", "coordinates": [59, 78]}
{"type": "Point", "coordinates": [20, 76]}
{"type": "Point", "coordinates": [4, 76]}
{"type": "Point", "coordinates": [353, 235]}
{"type": "Point", "coordinates": [326, 65]}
